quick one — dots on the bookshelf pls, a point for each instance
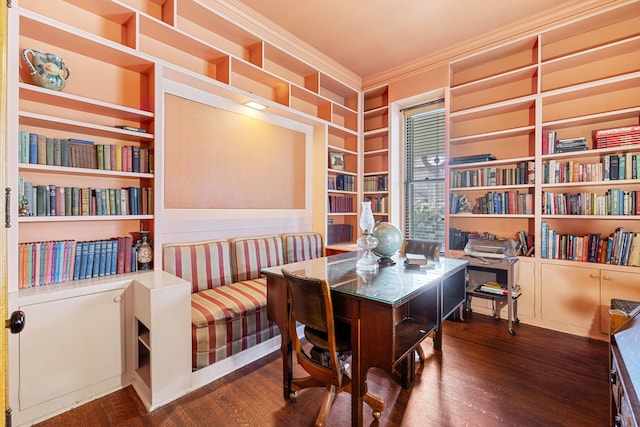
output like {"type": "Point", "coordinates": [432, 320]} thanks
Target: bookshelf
{"type": "Point", "coordinates": [569, 80]}
{"type": "Point", "coordinates": [122, 56]}
{"type": "Point", "coordinates": [375, 152]}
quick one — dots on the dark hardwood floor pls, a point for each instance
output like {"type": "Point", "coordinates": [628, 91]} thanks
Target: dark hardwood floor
{"type": "Point", "coordinates": [483, 377]}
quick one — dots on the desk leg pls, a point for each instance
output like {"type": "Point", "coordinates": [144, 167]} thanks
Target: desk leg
{"type": "Point", "coordinates": [358, 378]}
{"type": "Point", "coordinates": [287, 365]}
{"type": "Point", "coordinates": [437, 339]}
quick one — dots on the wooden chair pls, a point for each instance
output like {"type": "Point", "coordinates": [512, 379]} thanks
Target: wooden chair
{"type": "Point", "coordinates": [329, 341]}
{"type": "Point", "coordinates": [431, 250]}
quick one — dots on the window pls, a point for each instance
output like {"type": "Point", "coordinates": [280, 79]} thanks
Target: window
{"type": "Point", "coordinates": [424, 138]}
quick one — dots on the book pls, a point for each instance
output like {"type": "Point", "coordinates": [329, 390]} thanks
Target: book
{"type": "Point", "coordinates": [128, 246]}
{"type": "Point", "coordinates": [120, 255]}
{"type": "Point", "coordinates": [499, 290]}
{"type": "Point", "coordinates": [415, 259]}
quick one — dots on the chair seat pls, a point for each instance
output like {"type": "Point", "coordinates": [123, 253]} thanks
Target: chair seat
{"type": "Point", "coordinates": [319, 338]}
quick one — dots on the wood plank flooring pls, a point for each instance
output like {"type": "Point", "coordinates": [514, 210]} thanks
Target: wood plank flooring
{"type": "Point", "coordinates": [483, 377]}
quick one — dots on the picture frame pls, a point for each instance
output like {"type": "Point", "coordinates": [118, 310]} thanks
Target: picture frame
{"type": "Point", "coordinates": [336, 161]}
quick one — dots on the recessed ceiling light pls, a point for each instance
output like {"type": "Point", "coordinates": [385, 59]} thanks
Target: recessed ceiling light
{"type": "Point", "coordinates": [253, 104]}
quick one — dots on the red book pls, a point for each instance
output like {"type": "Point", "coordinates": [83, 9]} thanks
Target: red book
{"type": "Point", "coordinates": [120, 255]}
{"type": "Point", "coordinates": [128, 245]}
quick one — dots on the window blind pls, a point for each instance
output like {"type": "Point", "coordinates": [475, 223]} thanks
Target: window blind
{"type": "Point", "coordinates": [424, 138]}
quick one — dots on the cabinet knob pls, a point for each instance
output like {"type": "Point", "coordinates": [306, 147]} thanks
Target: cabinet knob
{"type": "Point", "coordinates": [16, 322]}
{"type": "Point", "coordinates": [593, 275]}
{"type": "Point", "coordinates": [118, 298]}
{"type": "Point", "coordinates": [606, 277]}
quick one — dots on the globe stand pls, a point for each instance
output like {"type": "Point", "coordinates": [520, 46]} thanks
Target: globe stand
{"type": "Point", "coordinates": [386, 261]}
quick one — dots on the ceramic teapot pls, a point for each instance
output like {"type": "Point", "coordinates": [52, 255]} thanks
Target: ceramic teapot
{"type": "Point", "coordinates": [47, 69]}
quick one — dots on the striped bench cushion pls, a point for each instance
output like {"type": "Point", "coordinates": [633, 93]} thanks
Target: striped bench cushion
{"type": "Point", "coordinates": [301, 246]}
{"type": "Point", "coordinates": [229, 319]}
{"type": "Point", "coordinates": [252, 254]}
{"type": "Point", "coordinates": [205, 264]}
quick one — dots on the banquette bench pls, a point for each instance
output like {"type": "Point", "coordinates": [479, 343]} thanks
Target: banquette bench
{"type": "Point", "coordinates": [228, 293]}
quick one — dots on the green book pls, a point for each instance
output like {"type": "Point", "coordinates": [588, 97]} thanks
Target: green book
{"type": "Point", "coordinates": [50, 152]}
{"type": "Point", "coordinates": [57, 152]}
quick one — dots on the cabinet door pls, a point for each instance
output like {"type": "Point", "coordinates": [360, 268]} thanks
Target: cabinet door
{"type": "Point", "coordinates": [620, 285]}
{"type": "Point", "coordinates": [69, 344]}
{"type": "Point", "coordinates": [570, 298]}
{"type": "Point", "coordinates": [526, 279]}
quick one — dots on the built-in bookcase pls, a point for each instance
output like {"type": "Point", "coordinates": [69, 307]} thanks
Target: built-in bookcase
{"type": "Point", "coordinates": [565, 82]}
{"type": "Point", "coordinates": [375, 152]}
{"type": "Point", "coordinates": [120, 55]}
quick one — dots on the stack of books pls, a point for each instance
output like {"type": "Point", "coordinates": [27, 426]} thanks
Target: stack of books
{"type": "Point", "coordinates": [571, 144]}
{"type": "Point", "coordinates": [497, 289]}
{"type": "Point", "coordinates": [614, 137]}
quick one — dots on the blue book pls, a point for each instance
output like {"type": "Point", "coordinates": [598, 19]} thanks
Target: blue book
{"type": "Point", "coordinates": [83, 260]}
{"type": "Point", "coordinates": [95, 271]}
{"type": "Point", "coordinates": [33, 148]}
{"type": "Point", "coordinates": [91, 251]}
{"type": "Point", "coordinates": [61, 249]}
{"type": "Point", "coordinates": [103, 258]}
{"type": "Point", "coordinates": [108, 261]}
{"type": "Point", "coordinates": [114, 256]}
{"type": "Point", "coordinates": [43, 248]}
{"type": "Point", "coordinates": [544, 229]}
{"type": "Point", "coordinates": [54, 262]}
{"type": "Point", "coordinates": [76, 264]}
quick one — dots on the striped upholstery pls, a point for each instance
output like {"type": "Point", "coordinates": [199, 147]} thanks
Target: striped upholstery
{"type": "Point", "coordinates": [205, 264]}
{"type": "Point", "coordinates": [229, 319]}
{"type": "Point", "coordinates": [301, 246]}
{"type": "Point", "coordinates": [249, 255]}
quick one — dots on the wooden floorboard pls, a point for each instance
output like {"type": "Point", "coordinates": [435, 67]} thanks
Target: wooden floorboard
{"type": "Point", "coordinates": [483, 377]}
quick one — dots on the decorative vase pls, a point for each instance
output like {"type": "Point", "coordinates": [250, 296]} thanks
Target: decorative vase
{"type": "Point", "coordinates": [368, 262]}
{"type": "Point", "coordinates": [47, 69]}
{"type": "Point", "coordinates": [144, 251]}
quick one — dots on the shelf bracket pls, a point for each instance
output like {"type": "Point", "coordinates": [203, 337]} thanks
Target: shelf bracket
{"type": "Point", "coordinates": [7, 207]}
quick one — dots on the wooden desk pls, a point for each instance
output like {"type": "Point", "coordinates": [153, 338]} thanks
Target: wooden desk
{"type": "Point", "coordinates": [389, 316]}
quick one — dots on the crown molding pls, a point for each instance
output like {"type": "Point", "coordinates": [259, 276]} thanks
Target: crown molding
{"type": "Point", "coordinates": [561, 15]}
{"type": "Point", "coordinates": [250, 20]}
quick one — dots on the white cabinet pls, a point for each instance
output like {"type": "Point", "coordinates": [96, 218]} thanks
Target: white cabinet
{"type": "Point", "coordinates": [162, 333]}
{"type": "Point", "coordinates": [70, 350]}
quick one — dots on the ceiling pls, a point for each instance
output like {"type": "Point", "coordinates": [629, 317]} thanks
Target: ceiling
{"type": "Point", "coordinates": [370, 37]}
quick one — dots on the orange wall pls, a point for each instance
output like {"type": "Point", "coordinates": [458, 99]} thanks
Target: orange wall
{"type": "Point", "coordinates": [216, 159]}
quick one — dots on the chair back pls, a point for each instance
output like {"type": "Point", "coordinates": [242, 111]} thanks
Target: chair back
{"type": "Point", "coordinates": [429, 248]}
{"type": "Point", "coordinates": [311, 305]}
{"type": "Point", "coordinates": [310, 301]}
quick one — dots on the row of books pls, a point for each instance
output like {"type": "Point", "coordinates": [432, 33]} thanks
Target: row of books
{"type": "Point", "coordinates": [511, 202]}
{"type": "Point", "coordinates": [619, 248]}
{"type": "Point", "coordinates": [524, 173]}
{"type": "Point", "coordinates": [612, 168]}
{"type": "Point", "coordinates": [50, 262]}
{"type": "Point", "coordinates": [379, 204]}
{"type": "Point", "coordinates": [376, 183]}
{"type": "Point", "coordinates": [614, 137]}
{"type": "Point", "coordinates": [340, 204]}
{"type": "Point", "coordinates": [551, 144]}
{"type": "Point", "coordinates": [339, 233]}
{"type": "Point", "coordinates": [40, 149]}
{"type": "Point", "coordinates": [527, 244]}
{"type": "Point", "coordinates": [52, 200]}
{"type": "Point", "coordinates": [614, 202]}
{"type": "Point", "coordinates": [459, 238]}
{"type": "Point", "coordinates": [342, 182]}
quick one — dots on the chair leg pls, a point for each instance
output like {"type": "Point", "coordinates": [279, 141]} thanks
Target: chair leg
{"type": "Point", "coordinates": [327, 402]}
{"type": "Point", "coordinates": [376, 403]}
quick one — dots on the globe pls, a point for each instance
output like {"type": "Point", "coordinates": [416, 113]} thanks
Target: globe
{"type": "Point", "coordinates": [389, 241]}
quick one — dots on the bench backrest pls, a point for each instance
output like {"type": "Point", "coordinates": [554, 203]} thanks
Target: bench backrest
{"type": "Point", "coordinates": [249, 255]}
{"type": "Point", "coordinates": [301, 246]}
{"type": "Point", "coordinates": [205, 264]}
